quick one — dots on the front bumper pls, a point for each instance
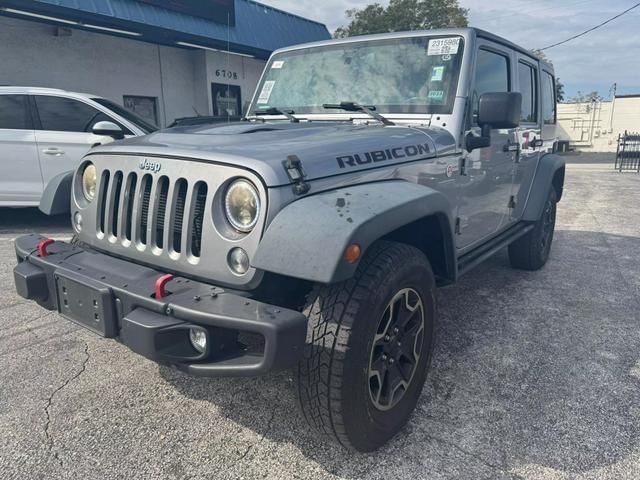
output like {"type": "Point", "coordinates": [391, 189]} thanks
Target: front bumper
{"type": "Point", "coordinates": [82, 284]}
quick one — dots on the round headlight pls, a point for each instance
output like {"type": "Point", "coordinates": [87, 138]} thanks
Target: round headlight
{"type": "Point", "coordinates": [89, 181]}
{"type": "Point", "coordinates": [242, 205]}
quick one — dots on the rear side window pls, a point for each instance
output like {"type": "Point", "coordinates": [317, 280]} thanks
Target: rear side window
{"type": "Point", "coordinates": [14, 112]}
{"type": "Point", "coordinates": [492, 75]}
{"type": "Point", "coordinates": [527, 76]}
{"type": "Point", "coordinates": [548, 99]}
{"type": "Point", "coordinates": [64, 114]}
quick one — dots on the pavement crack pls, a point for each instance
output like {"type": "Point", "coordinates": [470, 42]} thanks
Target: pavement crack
{"type": "Point", "coordinates": [260, 440]}
{"type": "Point", "coordinates": [47, 434]}
{"type": "Point", "coordinates": [484, 462]}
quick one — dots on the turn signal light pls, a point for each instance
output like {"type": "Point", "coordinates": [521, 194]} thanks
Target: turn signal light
{"type": "Point", "coordinates": [352, 253]}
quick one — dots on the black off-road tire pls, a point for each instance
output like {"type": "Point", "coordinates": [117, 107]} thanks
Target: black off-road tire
{"type": "Point", "coordinates": [531, 251]}
{"type": "Point", "coordinates": [344, 320]}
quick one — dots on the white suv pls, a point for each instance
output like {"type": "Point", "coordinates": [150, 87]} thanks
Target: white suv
{"type": "Point", "coordinates": [45, 132]}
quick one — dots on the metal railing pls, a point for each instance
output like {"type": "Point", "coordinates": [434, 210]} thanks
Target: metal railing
{"type": "Point", "coordinates": [628, 152]}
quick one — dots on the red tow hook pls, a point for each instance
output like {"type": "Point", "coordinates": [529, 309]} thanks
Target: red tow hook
{"type": "Point", "coordinates": [42, 246]}
{"type": "Point", "coordinates": [161, 283]}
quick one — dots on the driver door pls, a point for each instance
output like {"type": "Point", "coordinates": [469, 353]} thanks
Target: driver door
{"type": "Point", "coordinates": [485, 187]}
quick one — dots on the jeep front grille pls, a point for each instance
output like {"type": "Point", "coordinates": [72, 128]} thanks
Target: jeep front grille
{"type": "Point", "coordinates": [165, 215]}
{"type": "Point", "coordinates": [171, 219]}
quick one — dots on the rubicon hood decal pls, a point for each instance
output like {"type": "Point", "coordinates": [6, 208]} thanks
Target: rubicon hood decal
{"type": "Point", "coordinates": [324, 148]}
{"type": "Point", "coordinates": [395, 153]}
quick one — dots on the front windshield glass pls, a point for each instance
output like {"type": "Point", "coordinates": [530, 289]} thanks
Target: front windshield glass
{"type": "Point", "coordinates": [404, 75]}
{"type": "Point", "coordinates": [137, 120]}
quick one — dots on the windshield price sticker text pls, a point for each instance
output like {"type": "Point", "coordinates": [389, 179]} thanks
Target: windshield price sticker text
{"type": "Point", "coordinates": [265, 95]}
{"type": "Point", "coordinates": [443, 46]}
{"type": "Point", "coordinates": [277, 64]}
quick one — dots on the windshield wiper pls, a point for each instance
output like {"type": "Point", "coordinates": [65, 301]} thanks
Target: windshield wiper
{"type": "Point", "coordinates": [277, 111]}
{"type": "Point", "coordinates": [356, 107]}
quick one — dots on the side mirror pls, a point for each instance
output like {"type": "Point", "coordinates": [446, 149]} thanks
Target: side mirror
{"type": "Point", "coordinates": [496, 110]}
{"type": "Point", "coordinates": [500, 110]}
{"type": "Point", "coordinates": [108, 129]}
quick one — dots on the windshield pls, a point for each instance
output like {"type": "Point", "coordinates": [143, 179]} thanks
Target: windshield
{"type": "Point", "coordinates": [137, 120]}
{"type": "Point", "coordinates": [404, 75]}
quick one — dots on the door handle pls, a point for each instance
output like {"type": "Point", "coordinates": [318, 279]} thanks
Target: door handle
{"type": "Point", "coordinates": [536, 143]}
{"type": "Point", "coordinates": [56, 152]}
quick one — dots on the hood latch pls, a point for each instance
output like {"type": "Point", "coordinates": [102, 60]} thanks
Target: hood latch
{"type": "Point", "coordinates": [296, 174]}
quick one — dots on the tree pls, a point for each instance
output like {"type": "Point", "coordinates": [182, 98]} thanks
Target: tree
{"type": "Point", "coordinates": [559, 90]}
{"type": "Point", "coordinates": [403, 15]}
{"type": "Point", "coordinates": [580, 97]}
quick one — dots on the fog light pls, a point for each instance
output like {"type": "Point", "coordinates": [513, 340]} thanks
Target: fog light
{"type": "Point", "coordinates": [198, 339]}
{"type": "Point", "coordinates": [77, 221]}
{"type": "Point", "coordinates": [238, 261]}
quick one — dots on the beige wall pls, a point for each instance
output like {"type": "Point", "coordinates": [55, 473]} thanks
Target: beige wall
{"type": "Point", "coordinates": [592, 126]}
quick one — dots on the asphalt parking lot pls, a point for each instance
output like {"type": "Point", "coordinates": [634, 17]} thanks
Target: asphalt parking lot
{"type": "Point", "coordinates": [535, 375]}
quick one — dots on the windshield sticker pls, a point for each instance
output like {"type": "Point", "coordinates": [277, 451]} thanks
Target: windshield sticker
{"type": "Point", "coordinates": [443, 46]}
{"type": "Point", "coordinates": [437, 74]}
{"type": "Point", "coordinates": [278, 64]}
{"type": "Point", "coordinates": [436, 95]}
{"type": "Point", "coordinates": [265, 95]}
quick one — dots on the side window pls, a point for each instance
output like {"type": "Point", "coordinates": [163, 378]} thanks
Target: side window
{"type": "Point", "coordinates": [14, 112]}
{"type": "Point", "coordinates": [492, 75]}
{"type": "Point", "coordinates": [548, 99]}
{"type": "Point", "coordinates": [64, 114]}
{"type": "Point", "coordinates": [527, 76]}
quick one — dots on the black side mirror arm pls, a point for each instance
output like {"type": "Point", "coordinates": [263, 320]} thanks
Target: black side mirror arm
{"type": "Point", "coordinates": [483, 141]}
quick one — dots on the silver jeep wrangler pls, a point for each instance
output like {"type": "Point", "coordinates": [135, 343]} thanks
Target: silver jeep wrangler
{"type": "Point", "coordinates": [312, 235]}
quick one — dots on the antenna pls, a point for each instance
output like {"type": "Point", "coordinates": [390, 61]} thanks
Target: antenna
{"type": "Point", "coordinates": [228, 60]}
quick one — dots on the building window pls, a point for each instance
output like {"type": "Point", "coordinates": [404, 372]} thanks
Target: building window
{"type": "Point", "coordinates": [227, 100]}
{"type": "Point", "coordinates": [145, 107]}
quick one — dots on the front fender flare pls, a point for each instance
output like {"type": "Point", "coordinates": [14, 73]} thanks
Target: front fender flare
{"type": "Point", "coordinates": [56, 198]}
{"type": "Point", "coordinates": [308, 238]}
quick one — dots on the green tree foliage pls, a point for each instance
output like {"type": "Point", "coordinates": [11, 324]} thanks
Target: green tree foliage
{"type": "Point", "coordinates": [559, 90]}
{"type": "Point", "coordinates": [580, 97]}
{"type": "Point", "coordinates": [404, 15]}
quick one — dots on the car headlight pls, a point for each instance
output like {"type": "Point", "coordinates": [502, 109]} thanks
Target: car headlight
{"type": "Point", "coordinates": [242, 205]}
{"type": "Point", "coordinates": [89, 181]}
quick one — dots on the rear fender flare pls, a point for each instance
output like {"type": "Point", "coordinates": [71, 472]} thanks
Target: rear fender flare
{"type": "Point", "coordinates": [548, 166]}
{"type": "Point", "coordinates": [308, 238]}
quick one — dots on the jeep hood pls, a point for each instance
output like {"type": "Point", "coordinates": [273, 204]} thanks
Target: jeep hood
{"type": "Point", "coordinates": [324, 148]}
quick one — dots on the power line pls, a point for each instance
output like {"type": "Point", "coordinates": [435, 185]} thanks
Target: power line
{"type": "Point", "coordinates": [592, 28]}
{"type": "Point", "coordinates": [511, 13]}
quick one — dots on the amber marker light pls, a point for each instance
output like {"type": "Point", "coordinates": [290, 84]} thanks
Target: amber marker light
{"type": "Point", "coordinates": [352, 253]}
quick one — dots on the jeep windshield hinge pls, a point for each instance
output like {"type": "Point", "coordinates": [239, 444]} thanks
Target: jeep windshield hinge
{"type": "Point", "coordinates": [296, 174]}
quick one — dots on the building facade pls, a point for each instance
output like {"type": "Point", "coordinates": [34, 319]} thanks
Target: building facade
{"type": "Point", "coordinates": [162, 59]}
{"type": "Point", "coordinates": [595, 126]}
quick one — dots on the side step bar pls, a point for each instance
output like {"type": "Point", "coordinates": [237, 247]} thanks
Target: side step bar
{"type": "Point", "coordinates": [486, 250]}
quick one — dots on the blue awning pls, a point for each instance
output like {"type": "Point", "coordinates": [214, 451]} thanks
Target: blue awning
{"type": "Point", "coordinates": [258, 30]}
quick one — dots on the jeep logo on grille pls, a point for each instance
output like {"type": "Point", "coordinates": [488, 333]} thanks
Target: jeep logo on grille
{"type": "Point", "coordinates": [150, 166]}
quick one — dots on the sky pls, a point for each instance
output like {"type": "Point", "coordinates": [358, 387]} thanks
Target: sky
{"type": "Point", "coordinates": [593, 62]}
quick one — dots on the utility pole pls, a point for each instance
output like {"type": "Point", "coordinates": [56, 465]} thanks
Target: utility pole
{"type": "Point", "coordinates": [612, 93]}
